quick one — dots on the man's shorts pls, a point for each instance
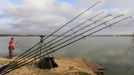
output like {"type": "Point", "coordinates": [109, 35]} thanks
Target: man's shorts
{"type": "Point", "coordinates": [11, 48]}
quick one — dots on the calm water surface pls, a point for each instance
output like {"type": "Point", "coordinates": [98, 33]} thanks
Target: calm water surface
{"type": "Point", "coordinates": [114, 53]}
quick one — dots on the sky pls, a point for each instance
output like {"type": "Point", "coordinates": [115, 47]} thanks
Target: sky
{"type": "Point", "coordinates": [45, 16]}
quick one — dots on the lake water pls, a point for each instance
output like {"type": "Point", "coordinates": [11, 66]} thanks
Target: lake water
{"type": "Point", "coordinates": [114, 53]}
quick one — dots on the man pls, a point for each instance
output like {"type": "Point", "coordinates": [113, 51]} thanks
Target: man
{"type": "Point", "coordinates": [11, 47]}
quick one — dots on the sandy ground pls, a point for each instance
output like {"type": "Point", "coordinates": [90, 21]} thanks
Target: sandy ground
{"type": "Point", "coordinates": [67, 66]}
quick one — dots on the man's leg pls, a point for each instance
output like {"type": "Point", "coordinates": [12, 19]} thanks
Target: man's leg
{"type": "Point", "coordinates": [10, 52]}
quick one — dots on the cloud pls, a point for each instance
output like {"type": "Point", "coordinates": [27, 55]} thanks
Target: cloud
{"type": "Point", "coordinates": [45, 16]}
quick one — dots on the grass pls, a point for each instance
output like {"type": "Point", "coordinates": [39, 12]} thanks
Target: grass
{"type": "Point", "coordinates": [83, 73]}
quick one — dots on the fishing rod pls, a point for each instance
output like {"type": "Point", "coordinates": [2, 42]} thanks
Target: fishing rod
{"type": "Point", "coordinates": [85, 22]}
{"type": "Point", "coordinates": [92, 23]}
{"type": "Point", "coordinates": [73, 19]}
{"type": "Point", "coordinates": [113, 18]}
{"type": "Point", "coordinates": [90, 18]}
{"type": "Point", "coordinates": [79, 30]}
{"type": "Point", "coordinates": [110, 19]}
{"type": "Point", "coordinates": [67, 32]}
{"type": "Point", "coordinates": [67, 44]}
{"type": "Point", "coordinates": [27, 56]}
{"type": "Point", "coordinates": [60, 28]}
{"type": "Point", "coordinates": [78, 35]}
{"type": "Point", "coordinates": [86, 27]}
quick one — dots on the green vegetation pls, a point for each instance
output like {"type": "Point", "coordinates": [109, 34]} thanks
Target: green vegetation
{"type": "Point", "coordinates": [133, 41]}
{"type": "Point", "coordinates": [83, 73]}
